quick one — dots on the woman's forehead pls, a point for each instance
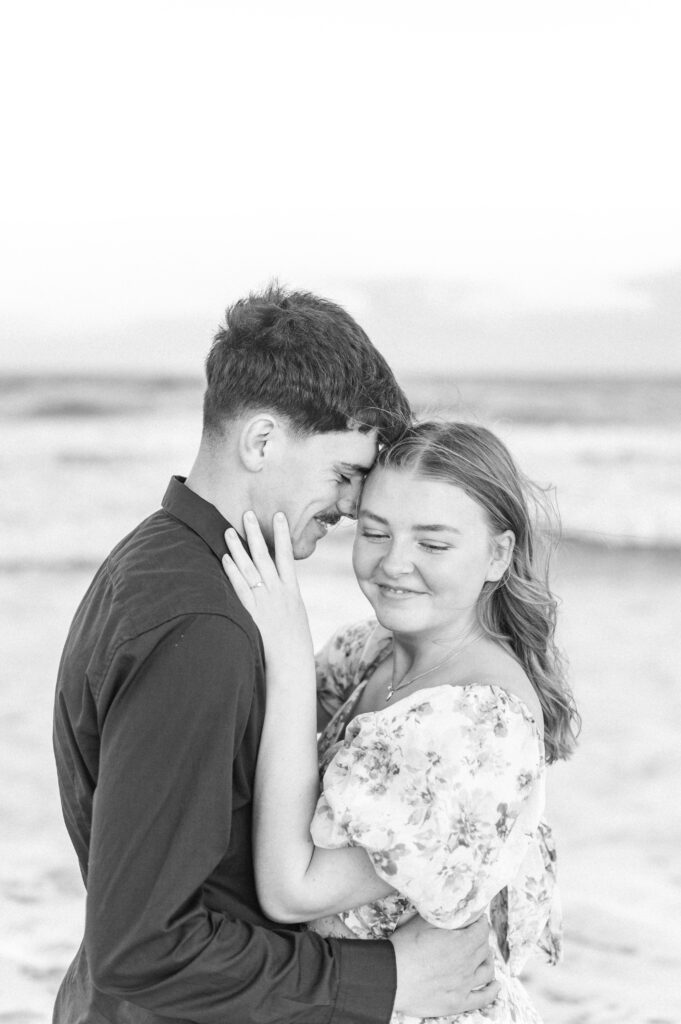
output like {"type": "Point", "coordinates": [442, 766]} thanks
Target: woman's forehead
{"type": "Point", "coordinates": [403, 494]}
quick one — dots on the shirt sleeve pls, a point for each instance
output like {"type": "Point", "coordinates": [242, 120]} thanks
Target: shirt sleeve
{"type": "Point", "coordinates": [337, 664]}
{"type": "Point", "coordinates": [172, 718]}
{"type": "Point", "coordinates": [443, 793]}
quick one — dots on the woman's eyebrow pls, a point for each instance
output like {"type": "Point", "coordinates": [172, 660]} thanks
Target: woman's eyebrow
{"type": "Point", "coordinates": [437, 528]}
{"type": "Point", "coordinates": [372, 515]}
{"type": "Point", "coordinates": [426, 527]}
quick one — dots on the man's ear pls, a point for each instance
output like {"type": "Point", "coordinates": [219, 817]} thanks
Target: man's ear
{"type": "Point", "coordinates": [502, 552]}
{"type": "Point", "coordinates": [255, 440]}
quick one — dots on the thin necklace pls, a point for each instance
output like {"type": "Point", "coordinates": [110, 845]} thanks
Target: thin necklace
{"type": "Point", "coordinates": [392, 689]}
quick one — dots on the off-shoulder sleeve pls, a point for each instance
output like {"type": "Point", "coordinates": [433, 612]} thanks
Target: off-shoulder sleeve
{"type": "Point", "coordinates": [445, 793]}
{"type": "Point", "coordinates": [337, 665]}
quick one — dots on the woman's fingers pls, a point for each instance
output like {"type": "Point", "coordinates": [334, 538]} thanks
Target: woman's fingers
{"type": "Point", "coordinates": [241, 587]}
{"type": "Point", "coordinates": [283, 549]}
{"type": "Point", "coordinates": [242, 561]}
{"type": "Point", "coordinates": [256, 565]}
{"type": "Point", "coordinates": [271, 598]}
{"type": "Point", "coordinates": [262, 560]}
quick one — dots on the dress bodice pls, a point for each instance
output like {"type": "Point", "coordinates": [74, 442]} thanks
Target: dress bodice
{"type": "Point", "coordinates": [444, 789]}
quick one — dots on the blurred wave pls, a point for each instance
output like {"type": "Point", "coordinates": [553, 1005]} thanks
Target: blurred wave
{"type": "Point", "coordinates": [532, 399]}
{"type": "Point", "coordinates": [83, 459]}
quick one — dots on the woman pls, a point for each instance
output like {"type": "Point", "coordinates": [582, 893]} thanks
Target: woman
{"type": "Point", "coordinates": [438, 720]}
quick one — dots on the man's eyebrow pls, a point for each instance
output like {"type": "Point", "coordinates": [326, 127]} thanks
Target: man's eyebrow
{"type": "Point", "coordinates": [354, 467]}
{"type": "Point", "coordinates": [424, 527]}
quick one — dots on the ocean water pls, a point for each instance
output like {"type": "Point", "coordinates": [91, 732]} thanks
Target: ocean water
{"type": "Point", "coordinates": [83, 459]}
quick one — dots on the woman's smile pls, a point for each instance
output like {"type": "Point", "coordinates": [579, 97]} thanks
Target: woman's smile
{"type": "Point", "coordinates": [422, 573]}
{"type": "Point", "coordinates": [392, 590]}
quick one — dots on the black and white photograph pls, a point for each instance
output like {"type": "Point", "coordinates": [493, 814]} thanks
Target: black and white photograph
{"type": "Point", "coordinates": [340, 531]}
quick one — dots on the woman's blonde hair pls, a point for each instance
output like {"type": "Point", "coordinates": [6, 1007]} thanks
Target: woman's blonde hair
{"type": "Point", "coordinates": [518, 610]}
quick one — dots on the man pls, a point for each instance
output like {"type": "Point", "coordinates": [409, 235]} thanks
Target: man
{"type": "Point", "coordinates": [159, 709]}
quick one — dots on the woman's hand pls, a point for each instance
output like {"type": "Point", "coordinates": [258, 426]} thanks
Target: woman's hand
{"type": "Point", "coordinates": [269, 590]}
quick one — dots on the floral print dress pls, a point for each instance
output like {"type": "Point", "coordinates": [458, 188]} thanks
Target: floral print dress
{"type": "Point", "coordinates": [444, 789]}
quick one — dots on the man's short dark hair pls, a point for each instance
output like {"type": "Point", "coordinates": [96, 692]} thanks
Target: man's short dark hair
{"type": "Point", "coordinates": [305, 358]}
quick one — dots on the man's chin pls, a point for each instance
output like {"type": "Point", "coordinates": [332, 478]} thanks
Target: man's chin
{"type": "Point", "coordinates": [303, 548]}
{"type": "Point", "coordinates": [305, 545]}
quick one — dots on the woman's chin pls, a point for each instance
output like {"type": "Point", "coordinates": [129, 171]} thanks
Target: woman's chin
{"type": "Point", "coordinates": [395, 619]}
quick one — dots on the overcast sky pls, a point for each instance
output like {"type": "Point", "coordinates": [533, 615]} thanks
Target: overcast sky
{"type": "Point", "coordinates": [163, 156]}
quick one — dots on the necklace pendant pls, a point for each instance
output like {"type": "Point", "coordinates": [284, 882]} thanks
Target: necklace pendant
{"type": "Point", "coordinates": [389, 694]}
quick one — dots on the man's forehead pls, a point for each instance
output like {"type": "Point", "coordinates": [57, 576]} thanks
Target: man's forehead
{"type": "Point", "coordinates": [355, 451]}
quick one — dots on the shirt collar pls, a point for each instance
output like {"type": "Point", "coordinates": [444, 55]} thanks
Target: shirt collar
{"type": "Point", "coordinates": [198, 514]}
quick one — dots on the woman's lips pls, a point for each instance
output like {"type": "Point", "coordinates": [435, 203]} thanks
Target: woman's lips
{"type": "Point", "coordinates": [391, 590]}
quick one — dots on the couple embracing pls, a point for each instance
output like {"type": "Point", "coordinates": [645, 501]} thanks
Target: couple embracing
{"type": "Point", "coordinates": [232, 857]}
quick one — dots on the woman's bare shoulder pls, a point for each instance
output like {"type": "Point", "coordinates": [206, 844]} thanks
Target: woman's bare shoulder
{"type": "Point", "coordinates": [501, 669]}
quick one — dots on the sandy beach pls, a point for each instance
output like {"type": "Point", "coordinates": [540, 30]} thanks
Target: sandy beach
{"type": "Point", "coordinates": [492, 191]}
{"type": "Point", "coordinates": [87, 458]}
{"type": "Point", "coordinates": [614, 807]}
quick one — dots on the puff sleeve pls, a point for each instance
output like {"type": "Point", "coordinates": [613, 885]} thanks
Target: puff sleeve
{"type": "Point", "coordinates": [339, 665]}
{"type": "Point", "coordinates": [444, 790]}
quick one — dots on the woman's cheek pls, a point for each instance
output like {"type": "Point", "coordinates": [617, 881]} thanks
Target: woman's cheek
{"type": "Point", "coordinates": [359, 560]}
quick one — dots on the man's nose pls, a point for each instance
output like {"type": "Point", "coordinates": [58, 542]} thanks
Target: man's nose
{"type": "Point", "coordinates": [349, 499]}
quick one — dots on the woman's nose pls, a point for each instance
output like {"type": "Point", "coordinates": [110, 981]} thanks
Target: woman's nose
{"type": "Point", "coordinates": [396, 561]}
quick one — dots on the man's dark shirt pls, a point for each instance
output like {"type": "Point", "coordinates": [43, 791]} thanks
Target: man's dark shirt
{"type": "Point", "coordinates": [158, 714]}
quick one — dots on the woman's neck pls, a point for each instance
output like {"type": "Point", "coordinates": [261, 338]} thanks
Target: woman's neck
{"type": "Point", "coordinates": [414, 654]}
